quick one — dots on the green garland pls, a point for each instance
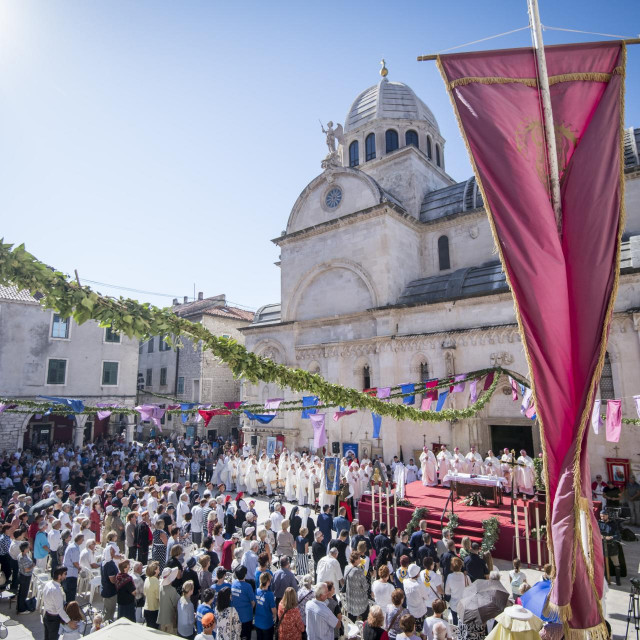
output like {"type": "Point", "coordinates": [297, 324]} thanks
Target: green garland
{"type": "Point", "coordinates": [452, 522]}
{"type": "Point", "coordinates": [538, 466]}
{"type": "Point", "coordinates": [414, 523]}
{"type": "Point", "coordinates": [491, 534]}
{"type": "Point", "coordinates": [142, 320]}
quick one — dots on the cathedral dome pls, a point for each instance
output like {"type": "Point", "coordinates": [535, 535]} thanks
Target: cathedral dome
{"type": "Point", "coordinates": [388, 100]}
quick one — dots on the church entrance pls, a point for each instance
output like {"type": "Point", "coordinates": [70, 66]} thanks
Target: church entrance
{"type": "Point", "coordinates": [512, 437]}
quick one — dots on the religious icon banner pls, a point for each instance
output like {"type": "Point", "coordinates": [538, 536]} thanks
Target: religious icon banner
{"type": "Point", "coordinates": [563, 282]}
{"type": "Point", "coordinates": [332, 475]}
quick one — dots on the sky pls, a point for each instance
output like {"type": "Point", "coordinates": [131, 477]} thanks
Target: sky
{"type": "Point", "coordinates": [160, 145]}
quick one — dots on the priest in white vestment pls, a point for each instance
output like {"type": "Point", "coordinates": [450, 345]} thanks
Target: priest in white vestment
{"type": "Point", "coordinates": [303, 485]}
{"type": "Point", "coordinates": [290, 484]}
{"type": "Point", "coordinates": [459, 462]}
{"type": "Point", "coordinates": [507, 469]}
{"type": "Point", "coordinates": [399, 477]}
{"type": "Point", "coordinates": [495, 463]}
{"type": "Point", "coordinates": [412, 472]}
{"type": "Point", "coordinates": [474, 462]}
{"type": "Point", "coordinates": [429, 466]}
{"type": "Point", "coordinates": [251, 477]}
{"type": "Point", "coordinates": [525, 474]}
{"type": "Point", "coordinates": [444, 464]}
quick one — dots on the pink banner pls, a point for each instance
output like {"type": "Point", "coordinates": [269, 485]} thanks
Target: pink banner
{"type": "Point", "coordinates": [339, 414]}
{"type": "Point", "coordinates": [614, 420]}
{"type": "Point", "coordinates": [473, 388]}
{"type": "Point", "coordinates": [563, 283]}
{"type": "Point", "coordinates": [319, 432]}
{"type": "Point", "coordinates": [426, 403]}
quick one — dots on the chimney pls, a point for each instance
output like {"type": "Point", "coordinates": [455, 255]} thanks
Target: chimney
{"type": "Point", "coordinates": [200, 295]}
{"type": "Point", "coordinates": [186, 299]}
{"type": "Point", "coordinates": [175, 302]}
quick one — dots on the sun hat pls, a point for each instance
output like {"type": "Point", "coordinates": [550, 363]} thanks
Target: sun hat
{"type": "Point", "coordinates": [169, 575]}
{"type": "Point", "coordinates": [414, 570]}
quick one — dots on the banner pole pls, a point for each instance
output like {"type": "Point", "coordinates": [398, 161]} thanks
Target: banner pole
{"type": "Point", "coordinates": [547, 113]}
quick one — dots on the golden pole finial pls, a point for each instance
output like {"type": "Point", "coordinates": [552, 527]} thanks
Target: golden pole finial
{"type": "Point", "coordinates": [384, 71]}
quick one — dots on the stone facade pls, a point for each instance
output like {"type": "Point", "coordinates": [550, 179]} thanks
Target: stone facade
{"type": "Point", "coordinates": [194, 375]}
{"type": "Point", "coordinates": [30, 339]}
{"type": "Point", "coordinates": [349, 308]}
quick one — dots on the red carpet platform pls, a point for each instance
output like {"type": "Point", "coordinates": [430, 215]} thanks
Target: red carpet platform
{"type": "Point", "coordinates": [470, 519]}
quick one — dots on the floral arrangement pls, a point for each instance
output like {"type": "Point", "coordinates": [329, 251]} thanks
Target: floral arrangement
{"type": "Point", "coordinates": [538, 466]}
{"type": "Point", "coordinates": [491, 528]}
{"type": "Point", "coordinates": [405, 503]}
{"type": "Point", "coordinates": [542, 532]}
{"type": "Point", "coordinates": [475, 499]}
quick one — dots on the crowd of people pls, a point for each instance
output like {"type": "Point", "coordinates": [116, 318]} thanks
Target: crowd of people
{"type": "Point", "coordinates": [175, 550]}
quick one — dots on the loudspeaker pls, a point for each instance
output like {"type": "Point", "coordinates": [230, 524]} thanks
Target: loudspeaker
{"type": "Point", "coordinates": [254, 441]}
{"type": "Point", "coordinates": [335, 447]}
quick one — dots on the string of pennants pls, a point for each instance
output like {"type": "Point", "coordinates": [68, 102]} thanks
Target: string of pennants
{"type": "Point", "coordinates": [612, 419]}
{"type": "Point", "coordinates": [434, 394]}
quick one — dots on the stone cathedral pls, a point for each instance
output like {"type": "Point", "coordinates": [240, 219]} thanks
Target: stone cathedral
{"type": "Point", "coordinates": [389, 276]}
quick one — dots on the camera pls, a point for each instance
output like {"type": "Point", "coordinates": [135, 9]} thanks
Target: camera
{"type": "Point", "coordinates": [635, 584]}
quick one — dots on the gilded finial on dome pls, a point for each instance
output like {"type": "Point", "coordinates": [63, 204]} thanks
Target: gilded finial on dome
{"type": "Point", "coordinates": [384, 71]}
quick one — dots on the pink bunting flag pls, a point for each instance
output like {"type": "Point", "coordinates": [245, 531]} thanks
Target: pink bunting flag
{"type": "Point", "coordinates": [319, 432]}
{"type": "Point", "coordinates": [151, 412]}
{"type": "Point", "coordinates": [103, 415]}
{"type": "Point", "coordinates": [636, 399]}
{"type": "Point", "coordinates": [339, 414]}
{"type": "Point", "coordinates": [459, 381]}
{"type": "Point", "coordinates": [384, 393]}
{"type": "Point", "coordinates": [531, 411]}
{"type": "Point", "coordinates": [514, 389]}
{"type": "Point", "coordinates": [272, 404]}
{"type": "Point", "coordinates": [473, 387]}
{"type": "Point", "coordinates": [206, 416]}
{"type": "Point", "coordinates": [233, 405]}
{"type": "Point", "coordinates": [614, 420]}
{"type": "Point", "coordinates": [488, 381]}
{"type": "Point", "coordinates": [426, 403]}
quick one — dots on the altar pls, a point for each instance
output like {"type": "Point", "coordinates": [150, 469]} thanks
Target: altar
{"type": "Point", "coordinates": [489, 487]}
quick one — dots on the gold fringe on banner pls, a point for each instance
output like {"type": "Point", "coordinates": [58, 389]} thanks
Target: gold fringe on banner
{"type": "Point", "coordinates": [590, 76]}
{"type": "Point", "coordinates": [593, 633]}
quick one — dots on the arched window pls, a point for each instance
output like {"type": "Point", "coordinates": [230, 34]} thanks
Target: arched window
{"type": "Point", "coordinates": [429, 151]}
{"type": "Point", "coordinates": [607, 392]}
{"type": "Point", "coordinates": [354, 154]}
{"type": "Point", "coordinates": [411, 138]}
{"type": "Point", "coordinates": [391, 140]}
{"type": "Point", "coordinates": [366, 377]}
{"type": "Point", "coordinates": [370, 147]}
{"type": "Point", "coordinates": [438, 155]}
{"type": "Point", "coordinates": [424, 371]}
{"type": "Point", "coordinates": [443, 253]}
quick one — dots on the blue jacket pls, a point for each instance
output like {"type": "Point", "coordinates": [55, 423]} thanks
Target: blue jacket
{"type": "Point", "coordinates": [341, 523]}
{"type": "Point", "coordinates": [325, 524]}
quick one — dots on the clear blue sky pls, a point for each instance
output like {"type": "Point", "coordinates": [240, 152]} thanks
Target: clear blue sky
{"type": "Point", "coordinates": [160, 143]}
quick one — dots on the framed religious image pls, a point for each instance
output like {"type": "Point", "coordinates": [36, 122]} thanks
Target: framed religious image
{"type": "Point", "coordinates": [618, 471]}
{"type": "Point", "coordinates": [365, 450]}
{"type": "Point", "coordinates": [416, 457]}
{"type": "Point", "coordinates": [376, 452]}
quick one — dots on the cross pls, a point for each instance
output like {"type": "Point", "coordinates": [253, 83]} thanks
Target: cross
{"type": "Point", "coordinates": [616, 450]}
{"type": "Point", "coordinates": [439, 441]}
{"type": "Point", "coordinates": [366, 435]}
{"type": "Point", "coordinates": [424, 439]}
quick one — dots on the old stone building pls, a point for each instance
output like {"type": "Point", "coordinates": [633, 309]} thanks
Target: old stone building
{"type": "Point", "coordinates": [189, 373]}
{"type": "Point", "coordinates": [44, 354]}
{"type": "Point", "coordinates": [389, 276]}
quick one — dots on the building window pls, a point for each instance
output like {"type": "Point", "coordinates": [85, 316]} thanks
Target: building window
{"type": "Point", "coordinates": [60, 327]}
{"type": "Point", "coordinates": [196, 391]}
{"type": "Point", "coordinates": [354, 154]}
{"type": "Point", "coordinates": [140, 345]}
{"type": "Point", "coordinates": [150, 345]}
{"type": "Point", "coordinates": [366, 377]}
{"type": "Point", "coordinates": [111, 336]}
{"type": "Point", "coordinates": [163, 345]}
{"type": "Point", "coordinates": [607, 392]}
{"type": "Point", "coordinates": [370, 147]}
{"type": "Point", "coordinates": [438, 155]}
{"type": "Point", "coordinates": [411, 138]}
{"type": "Point", "coordinates": [391, 140]}
{"type": "Point", "coordinates": [56, 371]}
{"type": "Point", "coordinates": [424, 372]}
{"type": "Point", "coordinates": [149, 379]}
{"type": "Point", "coordinates": [163, 376]}
{"type": "Point", "coordinates": [429, 151]}
{"type": "Point", "coordinates": [180, 385]}
{"type": "Point", "coordinates": [110, 373]}
{"type": "Point", "coordinates": [443, 253]}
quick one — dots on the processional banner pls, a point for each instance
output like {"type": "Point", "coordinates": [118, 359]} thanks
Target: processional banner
{"type": "Point", "coordinates": [563, 281]}
{"type": "Point", "coordinates": [332, 475]}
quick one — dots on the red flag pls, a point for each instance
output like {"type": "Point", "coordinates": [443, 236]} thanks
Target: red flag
{"type": "Point", "coordinates": [433, 394]}
{"type": "Point", "coordinates": [564, 285]}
